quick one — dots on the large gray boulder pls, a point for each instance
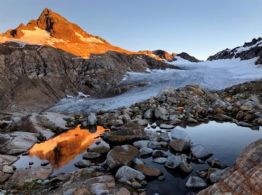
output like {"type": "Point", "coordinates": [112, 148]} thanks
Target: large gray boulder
{"type": "Point", "coordinates": [195, 182]}
{"type": "Point", "coordinates": [200, 151]}
{"type": "Point", "coordinates": [127, 174]}
{"type": "Point", "coordinates": [17, 142]}
{"type": "Point", "coordinates": [121, 155]}
{"type": "Point", "coordinates": [161, 113]}
{"type": "Point", "coordinates": [100, 146]}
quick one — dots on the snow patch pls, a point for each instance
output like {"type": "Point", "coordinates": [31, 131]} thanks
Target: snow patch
{"type": "Point", "coordinates": [39, 36]}
{"type": "Point", "coordinates": [179, 60]}
{"type": "Point", "coordinates": [242, 49]}
{"type": "Point", "coordinates": [88, 39]}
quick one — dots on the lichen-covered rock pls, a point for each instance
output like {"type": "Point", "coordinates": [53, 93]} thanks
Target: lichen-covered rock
{"type": "Point", "coordinates": [245, 177]}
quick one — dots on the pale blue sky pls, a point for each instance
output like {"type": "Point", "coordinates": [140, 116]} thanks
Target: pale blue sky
{"type": "Point", "coordinates": [199, 27]}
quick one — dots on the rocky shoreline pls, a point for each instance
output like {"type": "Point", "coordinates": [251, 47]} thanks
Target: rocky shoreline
{"type": "Point", "coordinates": [131, 138]}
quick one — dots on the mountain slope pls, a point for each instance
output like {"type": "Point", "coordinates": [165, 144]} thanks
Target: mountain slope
{"type": "Point", "coordinates": [54, 30]}
{"type": "Point", "coordinates": [170, 57]}
{"type": "Point", "coordinates": [248, 51]}
{"type": "Point", "coordinates": [37, 76]}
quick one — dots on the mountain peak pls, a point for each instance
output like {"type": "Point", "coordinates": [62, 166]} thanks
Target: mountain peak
{"type": "Point", "coordinates": [52, 29]}
{"type": "Point", "coordinates": [54, 22]}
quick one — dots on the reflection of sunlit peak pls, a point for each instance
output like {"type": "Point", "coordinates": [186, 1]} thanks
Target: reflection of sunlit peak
{"type": "Point", "coordinates": [64, 147]}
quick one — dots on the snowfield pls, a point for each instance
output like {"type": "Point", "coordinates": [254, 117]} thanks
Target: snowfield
{"type": "Point", "coordinates": [214, 75]}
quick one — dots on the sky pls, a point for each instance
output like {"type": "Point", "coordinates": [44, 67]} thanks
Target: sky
{"type": "Point", "coordinates": [198, 27]}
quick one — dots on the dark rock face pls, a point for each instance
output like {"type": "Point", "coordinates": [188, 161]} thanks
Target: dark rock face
{"type": "Point", "coordinates": [172, 57]}
{"type": "Point", "coordinates": [248, 51]}
{"type": "Point", "coordinates": [188, 57]}
{"type": "Point", "coordinates": [33, 75]}
{"type": "Point", "coordinates": [164, 55]}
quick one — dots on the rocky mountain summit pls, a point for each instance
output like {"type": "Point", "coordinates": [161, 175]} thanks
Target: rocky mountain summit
{"type": "Point", "coordinates": [54, 30]}
{"type": "Point", "coordinates": [170, 57]}
{"type": "Point", "coordinates": [248, 51]}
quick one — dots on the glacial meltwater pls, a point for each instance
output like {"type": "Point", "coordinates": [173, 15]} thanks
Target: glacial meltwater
{"type": "Point", "coordinates": [224, 140]}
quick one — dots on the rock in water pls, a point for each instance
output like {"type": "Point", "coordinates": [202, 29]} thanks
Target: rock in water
{"type": "Point", "coordinates": [160, 160]}
{"type": "Point", "coordinates": [173, 161]}
{"type": "Point", "coordinates": [91, 155]}
{"type": "Point", "coordinates": [185, 167]}
{"type": "Point", "coordinates": [200, 151]}
{"type": "Point", "coordinates": [141, 143]}
{"type": "Point", "coordinates": [195, 182]}
{"type": "Point", "coordinates": [179, 145]}
{"type": "Point", "coordinates": [216, 175]}
{"type": "Point", "coordinates": [99, 146]}
{"type": "Point", "coordinates": [126, 174]}
{"type": "Point", "coordinates": [82, 164]}
{"type": "Point", "coordinates": [179, 134]}
{"type": "Point", "coordinates": [145, 151]}
{"type": "Point", "coordinates": [148, 171]}
{"type": "Point", "coordinates": [166, 126]}
{"type": "Point", "coordinates": [121, 155]}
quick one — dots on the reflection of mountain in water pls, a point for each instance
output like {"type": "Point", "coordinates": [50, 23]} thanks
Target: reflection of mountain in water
{"type": "Point", "coordinates": [65, 147]}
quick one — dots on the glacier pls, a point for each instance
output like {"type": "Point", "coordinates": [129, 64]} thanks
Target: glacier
{"type": "Point", "coordinates": [212, 75]}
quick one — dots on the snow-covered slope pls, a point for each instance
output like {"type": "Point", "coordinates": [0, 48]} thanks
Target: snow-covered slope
{"type": "Point", "coordinates": [248, 51]}
{"type": "Point", "coordinates": [217, 74]}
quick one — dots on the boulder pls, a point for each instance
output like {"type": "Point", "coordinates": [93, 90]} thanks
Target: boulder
{"type": "Point", "coordinates": [200, 151]}
{"type": "Point", "coordinates": [91, 155]}
{"type": "Point", "coordinates": [149, 114]}
{"type": "Point", "coordinates": [160, 160]}
{"type": "Point", "coordinates": [82, 164]}
{"type": "Point", "coordinates": [121, 155]}
{"type": "Point", "coordinates": [141, 143]}
{"type": "Point", "coordinates": [173, 161]}
{"type": "Point", "coordinates": [166, 126]}
{"type": "Point", "coordinates": [195, 182]}
{"type": "Point", "coordinates": [145, 151]}
{"type": "Point", "coordinates": [8, 169]}
{"type": "Point", "coordinates": [128, 133]}
{"type": "Point", "coordinates": [179, 145]}
{"type": "Point", "coordinates": [100, 147]}
{"type": "Point", "coordinates": [17, 142]}
{"type": "Point", "coordinates": [126, 174]}
{"type": "Point", "coordinates": [161, 113]}
{"type": "Point", "coordinates": [7, 159]}
{"type": "Point", "coordinates": [159, 153]}
{"type": "Point", "coordinates": [185, 167]}
{"type": "Point", "coordinates": [179, 134]}
{"type": "Point", "coordinates": [216, 175]}
{"type": "Point", "coordinates": [148, 170]}
{"type": "Point", "coordinates": [243, 177]}
{"type": "Point", "coordinates": [21, 177]}
{"type": "Point", "coordinates": [91, 119]}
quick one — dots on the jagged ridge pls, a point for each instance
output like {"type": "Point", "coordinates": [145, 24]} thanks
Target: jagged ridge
{"type": "Point", "coordinates": [248, 51]}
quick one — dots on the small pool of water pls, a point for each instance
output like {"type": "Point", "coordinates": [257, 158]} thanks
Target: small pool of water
{"type": "Point", "coordinates": [62, 151]}
{"type": "Point", "coordinates": [224, 140]}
